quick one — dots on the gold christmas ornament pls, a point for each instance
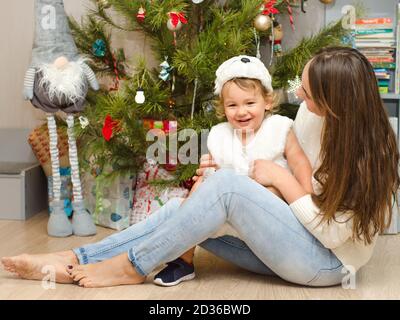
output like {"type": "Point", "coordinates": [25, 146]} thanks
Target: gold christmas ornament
{"type": "Point", "coordinates": [326, 1]}
{"type": "Point", "coordinates": [262, 22]}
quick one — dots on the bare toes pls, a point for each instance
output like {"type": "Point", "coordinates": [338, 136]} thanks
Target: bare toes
{"type": "Point", "coordinates": [86, 283]}
{"type": "Point", "coordinates": [82, 282]}
{"type": "Point", "coordinates": [78, 276]}
{"type": "Point", "coordinates": [10, 269]}
{"type": "Point", "coordinates": [7, 262]}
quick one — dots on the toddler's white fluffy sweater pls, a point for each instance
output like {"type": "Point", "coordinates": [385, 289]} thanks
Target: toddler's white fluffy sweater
{"type": "Point", "coordinates": [267, 143]}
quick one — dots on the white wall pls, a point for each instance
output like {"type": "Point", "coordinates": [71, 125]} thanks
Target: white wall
{"type": "Point", "coordinates": [16, 36]}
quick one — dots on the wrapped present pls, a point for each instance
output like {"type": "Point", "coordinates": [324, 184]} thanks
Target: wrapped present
{"type": "Point", "coordinates": [167, 127]}
{"type": "Point", "coordinates": [39, 142]}
{"type": "Point", "coordinates": [148, 198]}
{"type": "Point", "coordinates": [110, 202]}
{"type": "Point", "coordinates": [66, 190]}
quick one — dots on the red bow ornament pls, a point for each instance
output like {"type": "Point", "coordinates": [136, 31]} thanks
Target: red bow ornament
{"type": "Point", "coordinates": [176, 17]}
{"type": "Point", "coordinates": [269, 8]}
{"type": "Point", "coordinates": [109, 127]}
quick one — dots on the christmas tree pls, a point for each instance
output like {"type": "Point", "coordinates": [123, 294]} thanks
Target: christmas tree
{"type": "Point", "coordinates": [190, 39]}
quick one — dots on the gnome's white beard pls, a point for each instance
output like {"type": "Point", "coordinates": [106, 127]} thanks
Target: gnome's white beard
{"type": "Point", "coordinates": [67, 84]}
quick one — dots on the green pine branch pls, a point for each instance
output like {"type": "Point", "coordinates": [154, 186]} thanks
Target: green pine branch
{"type": "Point", "coordinates": [85, 35]}
{"type": "Point", "coordinates": [292, 63]}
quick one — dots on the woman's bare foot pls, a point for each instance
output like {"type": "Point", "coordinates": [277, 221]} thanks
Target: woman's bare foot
{"type": "Point", "coordinates": [31, 266]}
{"type": "Point", "coordinates": [112, 272]}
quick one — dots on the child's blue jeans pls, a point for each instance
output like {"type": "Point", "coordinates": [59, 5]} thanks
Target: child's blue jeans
{"type": "Point", "coordinates": [274, 241]}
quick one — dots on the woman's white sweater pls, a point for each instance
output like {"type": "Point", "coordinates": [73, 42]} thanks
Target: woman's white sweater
{"type": "Point", "coordinates": [336, 235]}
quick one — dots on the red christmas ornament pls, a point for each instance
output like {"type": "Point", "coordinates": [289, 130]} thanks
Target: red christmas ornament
{"type": "Point", "coordinates": [269, 8]}
{"type": "Point", "coordinates": [177, 17]}
{"type": "Point", "coordinates": [290, 11]}
{"type": "Point", "coordinates": [109, 127]}
{"type": "Point", "coordinates": [175, 22]}
{"type": "Point", "coordinates": [141, 15]}
{"type": "Point", "coordinates": [188, 184]}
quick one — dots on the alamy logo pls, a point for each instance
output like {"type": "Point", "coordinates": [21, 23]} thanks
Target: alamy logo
{"type": "Point", "coordinates": [48, 22]}
{"type": "Point", "coordinates": [349, 17]}
{"type": "Point", "coordinates": [349, 280]}
{"type": "Point", "coordinates": [234, 154]}
{"type": "Point", "coordinates": [49, 280]}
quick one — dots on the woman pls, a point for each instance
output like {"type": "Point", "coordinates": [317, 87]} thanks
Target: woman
{"type": "Point", "coordinates": [311, 239]}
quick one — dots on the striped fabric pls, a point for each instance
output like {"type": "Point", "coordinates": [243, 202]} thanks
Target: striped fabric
{"type": "Point", "coordinates": [55, 162]}
{"type": "Point", "coordinates": [73, 159]}
{"type": "Point", "coordinates": [29, 79]}
{"type": "Point", "coordinates": [91, 77]}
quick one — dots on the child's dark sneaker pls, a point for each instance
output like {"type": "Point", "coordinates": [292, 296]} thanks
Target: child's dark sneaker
{"type": "Point", "coordinates": [175, 272]}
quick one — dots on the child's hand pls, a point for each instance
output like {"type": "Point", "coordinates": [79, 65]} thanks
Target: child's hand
{"type": "Point", "coordinates": [264, 172]}
{"type": "Point", "coordinates": [206, 161]}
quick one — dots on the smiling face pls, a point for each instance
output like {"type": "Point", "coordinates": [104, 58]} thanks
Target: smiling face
{"type": "Point", "coordinates": [304, 92]}
{"type": "Point", "coordinates": [245, 107]}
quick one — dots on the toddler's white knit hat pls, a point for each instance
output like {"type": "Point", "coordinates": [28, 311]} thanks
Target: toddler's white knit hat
{"type": "Point", "coordinates": [242, 67]}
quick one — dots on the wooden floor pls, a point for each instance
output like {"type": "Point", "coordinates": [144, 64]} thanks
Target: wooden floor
{"type": "Point", "coordinates": [216, 279]}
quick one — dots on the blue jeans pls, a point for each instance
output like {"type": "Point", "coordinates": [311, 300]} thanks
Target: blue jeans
{"type": "Point", "coordinates": [274, 241]}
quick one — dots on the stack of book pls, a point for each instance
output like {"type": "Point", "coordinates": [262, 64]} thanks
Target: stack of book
{"type": "Point", "coordinates": [375, 38]}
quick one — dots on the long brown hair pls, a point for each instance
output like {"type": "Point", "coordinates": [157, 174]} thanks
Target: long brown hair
{"type": "Point", "coordinates": [359, 154]}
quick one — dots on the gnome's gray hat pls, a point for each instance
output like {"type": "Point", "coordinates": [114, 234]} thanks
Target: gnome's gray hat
{"type": "Point", "coordinates": [52, 33]}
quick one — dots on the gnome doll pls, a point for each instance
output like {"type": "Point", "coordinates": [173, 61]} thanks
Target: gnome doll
{"type": "Point", "coordinates": [58, 80]}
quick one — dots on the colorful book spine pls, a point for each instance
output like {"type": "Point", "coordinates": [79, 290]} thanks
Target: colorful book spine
{"type": "Point", "coordinates": [373, 26]}
{"type": "Point", "coordinates": [373, 31]}
{"type": "Point", "coordinates": [378, 39]}
{"type": "Point", "coordinates": [383, 90]}
{"type": "Point", "coordinates": [378, 60]}
{"type": "Point", "coordinates": [386, 65]}
{"type": "Point", "coordinates": [374, 21]}
{"type": "Point", "coordinates": [397, 69]}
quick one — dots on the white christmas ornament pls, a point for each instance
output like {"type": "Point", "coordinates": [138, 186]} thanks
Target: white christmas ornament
{"type": "Point", "coordinates": [171, 27]}
{"type": "Point", "coordinates": [140, 98]}
{"type": "Point", "coordinates": [294, 85]}
{"type": "Point", "coordinates": [84, 122]}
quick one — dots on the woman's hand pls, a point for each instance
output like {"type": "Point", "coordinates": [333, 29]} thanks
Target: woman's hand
{"type": "Point", "coordinates": [270, 174]}
{"type": "Point", "coordinates": [206, 161]}
{"type": "Point", "coordinates": [264, 172]}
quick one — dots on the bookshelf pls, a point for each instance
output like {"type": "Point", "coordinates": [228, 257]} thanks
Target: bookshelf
{"type": "Point", "coordinates": [379, 9]}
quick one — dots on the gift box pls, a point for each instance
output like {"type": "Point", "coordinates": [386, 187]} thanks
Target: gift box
{"type": "Point", "coordinates": [110, 202]}
{"type": "Point", "coordinates": [148, 198]}
{"type": "Point", "coordinates": [166, 127]}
